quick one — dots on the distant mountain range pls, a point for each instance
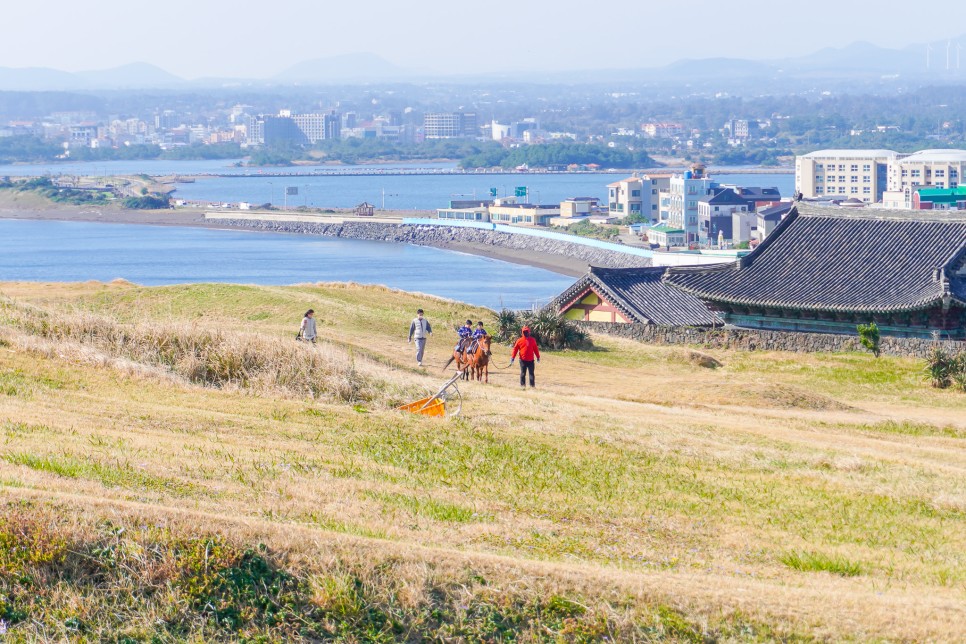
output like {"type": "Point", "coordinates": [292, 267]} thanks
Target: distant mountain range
{"type": "Point", "coordinates": [942, 59]}
{"type": "Point", "coordinates": [132, 76]}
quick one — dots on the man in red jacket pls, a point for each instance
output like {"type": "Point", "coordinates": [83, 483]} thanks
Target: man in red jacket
{"type": "Point", "coordinates": [526, 346]}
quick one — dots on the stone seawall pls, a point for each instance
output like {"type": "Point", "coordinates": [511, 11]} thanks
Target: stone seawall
{"type": "Point", "coordinates": [762, 340]}
{"type": "Point", "coordinates": [443, 237]}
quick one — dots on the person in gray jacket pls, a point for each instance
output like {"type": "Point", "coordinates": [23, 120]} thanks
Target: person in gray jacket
{"type": "Point", "coordinates": [418, 331]}
{"type": "Point", "coordinates": [307, 331]}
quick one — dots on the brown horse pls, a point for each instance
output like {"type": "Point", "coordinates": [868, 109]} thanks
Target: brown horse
{"type": "Point", "coordinates": [478, 363]}
{"type": "Point", "coordinates": [461, 359]}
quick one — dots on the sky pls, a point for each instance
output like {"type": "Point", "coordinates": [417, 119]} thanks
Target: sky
{"type": "Point", "coordinates": [217, 38]}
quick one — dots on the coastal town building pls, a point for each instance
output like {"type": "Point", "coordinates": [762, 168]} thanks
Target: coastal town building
{"type": "Point", "coordinates": [767, 219]}
{"type": "Point", "coordinates": [666, 236]}
{"type": "Point", "coordinates": [449, 125]}
{"type": "Point", "coordinates": [827, 270]}
{"type": "Point", "coordinates": [684, 192]}
{"type": "Point", "coordinates": [859, 174]}
{"type": "Point", "coordinates": [626, 197]}
{"type": "Point", "coordinates": [523, 214]}
{"type": "Point", "coordinates": [927, 168]}
{"type": "Point", "coordinates": [287, 127]}
{"type": "Point", "coordinates": [631, 296]}
{"type": "Point", "coordinates": [506, 210]}
{"type": "Point", "coordinates": [939, 198]}
{"type": "Point", "coordinates": [716, 216]}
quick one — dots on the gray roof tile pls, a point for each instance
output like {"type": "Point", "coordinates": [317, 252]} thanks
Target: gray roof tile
{"type": "Point", "coordinates": [837, 260]}
{"type": "Point", "coordinates": [641, 294]}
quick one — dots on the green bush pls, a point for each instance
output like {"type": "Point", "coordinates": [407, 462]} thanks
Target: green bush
{"type": "Point", "coordinates": [944, 369]}
{"type": "Point", "coordinates": [869, 337]}
{"type": "Point", "coordinates": [550, 329]}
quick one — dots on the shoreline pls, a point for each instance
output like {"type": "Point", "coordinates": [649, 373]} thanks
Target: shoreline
{"type": "Point", "coordinates": [555, 263]}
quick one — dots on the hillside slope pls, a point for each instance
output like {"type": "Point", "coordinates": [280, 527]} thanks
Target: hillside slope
{"type": "Point", "coordinates": [633, 495]}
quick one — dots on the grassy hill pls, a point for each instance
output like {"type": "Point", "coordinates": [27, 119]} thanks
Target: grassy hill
{"type": "Point", "coordinates": [174, 466]}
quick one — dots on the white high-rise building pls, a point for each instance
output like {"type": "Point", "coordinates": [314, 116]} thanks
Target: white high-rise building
{"type": "Point", "coordinates": [684, 193]}
{"type": "Point", "coordinates": [844, 174]}
{"type": "Point", "coordinates": [928, 168]}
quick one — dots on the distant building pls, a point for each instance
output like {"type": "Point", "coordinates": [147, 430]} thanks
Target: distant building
{"type": "Point", "coordinates": [663, 130]}
{"type": "Point", "coordinates": [577, 207]}
{"type": "Point", "coordinates": [666, 236]}
{"type": "Point", "coordinates": [449, 125]}
{"type": "Point", "coordinates": [756, 196]}
{"type": "Point", "coordinates": [297, 129]}
{"type": "Point", "coordinates": [738, 130]}
{"type": "Point", "coordinates": [715, 216]}
{"type": "Point", "coordinates": [523, 214]}
{"type": "Point", "coordinates": [939, 198]}
{"type": "Point", "coordinates": [928, 168]}
{"type": "Point", "coordinates": [767, 219]}
{"type": "Point", "coordinates": [685, 190]}
{"type": "Point", "coordinates": [844, 174]}
{"type": "Point", "coordinates": [637, 195]}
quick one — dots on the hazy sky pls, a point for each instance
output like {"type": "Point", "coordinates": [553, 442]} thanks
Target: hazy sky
{"type": "Point", "coordinates": [198, 38]}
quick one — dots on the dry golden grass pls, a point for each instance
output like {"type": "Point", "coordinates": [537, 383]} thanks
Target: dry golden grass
{"type": "Point", "coordinates": [818, 495]}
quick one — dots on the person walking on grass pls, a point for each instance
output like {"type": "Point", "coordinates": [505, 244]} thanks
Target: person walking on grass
{"type": "Point", "coordinates": [307, 331]}
{"type": "Point", "coordinates": [419, 330]}
{"type": "Point", "coordinates": [526, 347]}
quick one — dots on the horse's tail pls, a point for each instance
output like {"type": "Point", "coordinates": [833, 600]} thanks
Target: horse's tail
{"type": "Point", "coordinates": [451, 358]}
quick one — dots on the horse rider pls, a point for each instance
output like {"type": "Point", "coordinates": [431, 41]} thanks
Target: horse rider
{"type": "Point", "coordinates": [478, 333]}
{"type": "Point", "coordinates": [465, 332]}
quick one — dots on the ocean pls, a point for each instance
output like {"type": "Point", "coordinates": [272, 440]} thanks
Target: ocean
{"type": "Point", "coordinates": [53, 251]}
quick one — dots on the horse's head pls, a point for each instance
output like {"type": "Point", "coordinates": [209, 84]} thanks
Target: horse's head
{"type": "Point", "coordinates": [485, 341]}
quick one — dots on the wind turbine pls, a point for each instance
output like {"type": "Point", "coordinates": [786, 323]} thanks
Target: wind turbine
{"type": "Point", "coordinates": [949, 46]}
{"type": "Point", "coordinates": [959, 53]}
{"type": "Point", "coordinates": [928, 57]}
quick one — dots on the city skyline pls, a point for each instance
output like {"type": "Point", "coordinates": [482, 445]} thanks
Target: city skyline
{"type": "Point", "coordinates": [216, 40]}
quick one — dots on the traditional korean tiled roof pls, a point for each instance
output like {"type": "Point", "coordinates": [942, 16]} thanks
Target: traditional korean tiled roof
{"type": "Point", "coordinates": [642, 296]}
{"type": "Point", "coordinates": [828, 259]}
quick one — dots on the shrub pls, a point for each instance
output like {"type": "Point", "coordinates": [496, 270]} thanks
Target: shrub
{"type": "Point", "coordinates": [550, 329]}
{"type": "Point", "coordinates": [869, 337]}
{"type": "Point", "coordinates": [958, 374]}
{"type": "Point", "coordinates": [940, 366]}
{"type": "Point", "coordinates": [507, 325]}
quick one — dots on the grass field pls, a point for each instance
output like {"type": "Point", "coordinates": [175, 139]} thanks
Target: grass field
{"type": "Point", "coordinates": [174, 466]}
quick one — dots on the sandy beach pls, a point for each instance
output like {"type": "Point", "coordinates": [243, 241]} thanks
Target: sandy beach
{"type": "Point", "coordinates": [17, 206]}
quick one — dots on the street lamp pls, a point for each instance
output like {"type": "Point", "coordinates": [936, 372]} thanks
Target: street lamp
{"type": "Point", "coordinates": [271, 187]}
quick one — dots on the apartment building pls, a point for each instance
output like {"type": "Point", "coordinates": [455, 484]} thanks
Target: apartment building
{"type": "Point", "coordinates": [286, 127]}
{"type": "Point", "coordinates": [637, 195]}
{"type": "Point", "coordinates": [844, 174]}
{"type": "Point", "coordinates": [928, 168]}
{"type": "Point", "coordinates": [684, 193]}
{"type": "Point", "coordinates": [449, 125]}
{"type": "Point", "coordinates": [716, 216]}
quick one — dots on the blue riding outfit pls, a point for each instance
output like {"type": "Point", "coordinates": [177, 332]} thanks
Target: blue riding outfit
{"type": "Point", "coordinates": [465, 332]}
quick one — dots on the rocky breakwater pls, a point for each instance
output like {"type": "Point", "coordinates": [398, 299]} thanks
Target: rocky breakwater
{"type": "Point", "coordinates": [448, 237]}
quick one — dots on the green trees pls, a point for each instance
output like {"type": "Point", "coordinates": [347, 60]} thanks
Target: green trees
{"type": "Point", "coordinates": [869, 337]}
{"type": "Point", "coordinates": [559, 154]}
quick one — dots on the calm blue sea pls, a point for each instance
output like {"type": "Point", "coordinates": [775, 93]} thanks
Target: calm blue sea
{"type": "Point", "coordinates": [423, 192]}
{"type": "Point", "coordinates": [154, 255]}
{"type": "Point", "coordinates": [416, 192]}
